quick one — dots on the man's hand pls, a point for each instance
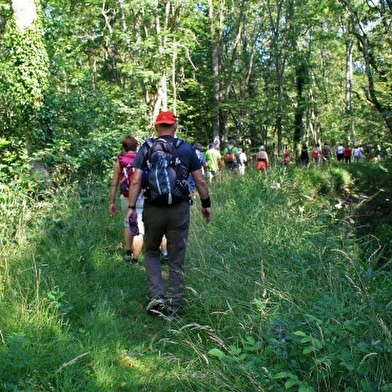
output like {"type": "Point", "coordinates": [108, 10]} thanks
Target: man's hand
{"type": "Point", "coordinates": [206, 214]}
{"type": "Point", "coordinates": [131, 213]}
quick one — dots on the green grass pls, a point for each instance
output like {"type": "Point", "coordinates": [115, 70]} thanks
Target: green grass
{"type": "Point", "coordinates": [281, 293]}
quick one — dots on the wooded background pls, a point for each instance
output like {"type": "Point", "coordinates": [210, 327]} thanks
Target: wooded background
{"type": "Point", "coordinates": [76, 76]}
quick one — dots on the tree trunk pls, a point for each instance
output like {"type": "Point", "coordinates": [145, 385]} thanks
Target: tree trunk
{"type": "Point", "coordinates": [349, 87]}
{"type": "Point", "coordinates": [363, 40]}
{"type": "Point", "coordinates": [31, 79]}
{"type": "Point", "coordinates": [299, 135]}
{"type": "Point", "coordinates": [25, 14]}
{"type": "Point", "coordinates": [214, 34]}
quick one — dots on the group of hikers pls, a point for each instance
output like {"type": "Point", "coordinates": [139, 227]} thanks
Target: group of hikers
{"type": "Point", "coordinates": [158, 183]}
{"type": "Point", "coordinates": [232, 158]}
{"type": "Point", "coordinates": [323, 155]}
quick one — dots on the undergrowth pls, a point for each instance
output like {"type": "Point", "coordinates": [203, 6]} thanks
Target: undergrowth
{"type": "Point", "coordinates": [282, 293]}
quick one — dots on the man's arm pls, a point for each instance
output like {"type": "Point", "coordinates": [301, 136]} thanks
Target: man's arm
{"type": "Point", "coordinates": [202, 188]}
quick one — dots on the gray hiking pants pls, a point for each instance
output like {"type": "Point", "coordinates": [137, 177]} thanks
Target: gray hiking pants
{"type": "Point", "coordinates": [173, 222]}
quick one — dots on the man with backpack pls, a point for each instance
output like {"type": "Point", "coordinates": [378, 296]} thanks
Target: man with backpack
{"type": "Point", "coordinates": [230, 154]}
{"type": "Point", "coordinates": [170, 161]}
{"type": "Point", "coordinates": [123, 172]}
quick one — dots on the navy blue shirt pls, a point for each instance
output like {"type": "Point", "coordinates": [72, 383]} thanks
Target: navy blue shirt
{"type": "Point", "coordinates": [185, 152]}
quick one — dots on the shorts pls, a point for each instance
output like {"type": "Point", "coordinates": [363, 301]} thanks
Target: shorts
{"type": "Point", "coordinates": [139, 211]}
{"type": "Point", "coordinates": [262, 165]}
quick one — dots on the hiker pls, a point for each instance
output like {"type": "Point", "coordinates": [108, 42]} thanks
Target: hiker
{"type": "Point", "coordinates": [340, 153]}
{"type": "Point", "coordinates": [304, 157]}
{"type": "Point", "coordinates": [197, 147]}
{"type": "Point", "coordinates": [123, 172]}
{"type": "Point", "coordinates": [326, 153]}
{"type": "Point", "coordinates": [358, 154]}
{"type": "Point", "coordinates": [370, 153]}
{"type": "Point", "coordinates": [230, 154]}
{"type": "Point", "coordinates": [167, 212]}
{"type": "Point", "coordinates": [286, 158]}
{"type": "Point", "coordinates": [262, 159]}
{"type": "Point", "coordinates": [242, 161]}
{"type": "Point", "coordinates": [213, 162]}
{"type": "Point", "coordinates": [316, 154]}
{"type": "Point", "coordinates": [348, 152]}
{"type": "Point", "coordinates": [383, 152]}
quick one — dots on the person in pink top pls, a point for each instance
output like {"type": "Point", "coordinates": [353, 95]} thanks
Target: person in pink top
{"type": "Point", "coordinates": [262, 159]}
{"type": "Point", "coordinates": [123, 171]}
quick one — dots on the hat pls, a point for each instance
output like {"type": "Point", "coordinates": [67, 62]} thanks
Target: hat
{"type": "Point", "coordinates": [262, 148]}
{"type": "Point", "coordinates": [211, 145]}
{"type": "Point", "coordinates": [166, 118]}
{"type": "Point", "coordinates": [197, 146]}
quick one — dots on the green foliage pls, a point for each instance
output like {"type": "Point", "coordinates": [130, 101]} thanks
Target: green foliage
{"type": "Point", "coordinates": [281, 294]}
{"type": "Point", "coordinates": [285, 289]}
{"type": "Point", "coordinates": [326, 181]}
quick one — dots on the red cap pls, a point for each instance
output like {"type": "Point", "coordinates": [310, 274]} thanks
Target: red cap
{"type": "Point", "coordinates": [166, 118]}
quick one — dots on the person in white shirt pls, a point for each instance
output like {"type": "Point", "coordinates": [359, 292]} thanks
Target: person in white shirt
{"type": "Point", "coordinates": [242, 161]}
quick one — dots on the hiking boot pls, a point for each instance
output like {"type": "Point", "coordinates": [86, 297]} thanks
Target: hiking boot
{"type": "Point", "coordinates": [157, 304]}
{"type": "Point", "coordinates": [134, 263]}
{"type": "Point", "coordinates": [173, 309]}
{"type": "Point", "coordinates": [128, 256]}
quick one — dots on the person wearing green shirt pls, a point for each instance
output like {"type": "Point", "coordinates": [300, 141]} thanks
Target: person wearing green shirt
{"type": "Point", "coordinates": [230, 155]}
{"type": "Point", "coordinates": [213, 161]}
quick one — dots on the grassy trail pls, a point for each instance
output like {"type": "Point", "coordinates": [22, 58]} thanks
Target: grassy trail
{"type": "Point", "coordinates": [281, 293]}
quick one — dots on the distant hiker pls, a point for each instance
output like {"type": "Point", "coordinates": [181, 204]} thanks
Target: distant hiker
{"type": "Point", "coordinates": [166, 209]}
{"type": "Point", "coordinates": [383, 152]}
{"type": "Point", "coordinates": [326, 153]}
{"type": "Point", "coordinates": [262, 159]}
{"type": "Point", "coordinates": [123, 173]}
{"type": "Point", "coordinates": [340, 153]}
{"type": "Point", "coordinates": [347, 154]}
{"type": "Point", "coordinates": [304, 157]}
{"type": "Point", "coordinates": [213, 161]}
{"type": "Point", "coordinates": [358, 154]}
{"type": "Point", "coordinates": [370, 153]}
{"type": "Point", "coordinates": [230, 154]}
{"type": "Point", "coordinates": [242, 161]}
{"type": "Point", "coordinates": [285, 158]}
{"type": "Point", "coordinates": [197, 147]}
{"type": "Point", "coordinates": [316, 154]}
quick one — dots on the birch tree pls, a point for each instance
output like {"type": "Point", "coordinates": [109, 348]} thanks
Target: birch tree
{"type": "Point", "coordinates": [25, 68]}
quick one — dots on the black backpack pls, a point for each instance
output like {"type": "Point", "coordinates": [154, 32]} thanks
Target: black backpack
{"type": "Point", "coordinates": [167, 175]}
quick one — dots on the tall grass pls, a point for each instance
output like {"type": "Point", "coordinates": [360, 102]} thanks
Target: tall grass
{"type": "Point", "coordinates": [280, 294]}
